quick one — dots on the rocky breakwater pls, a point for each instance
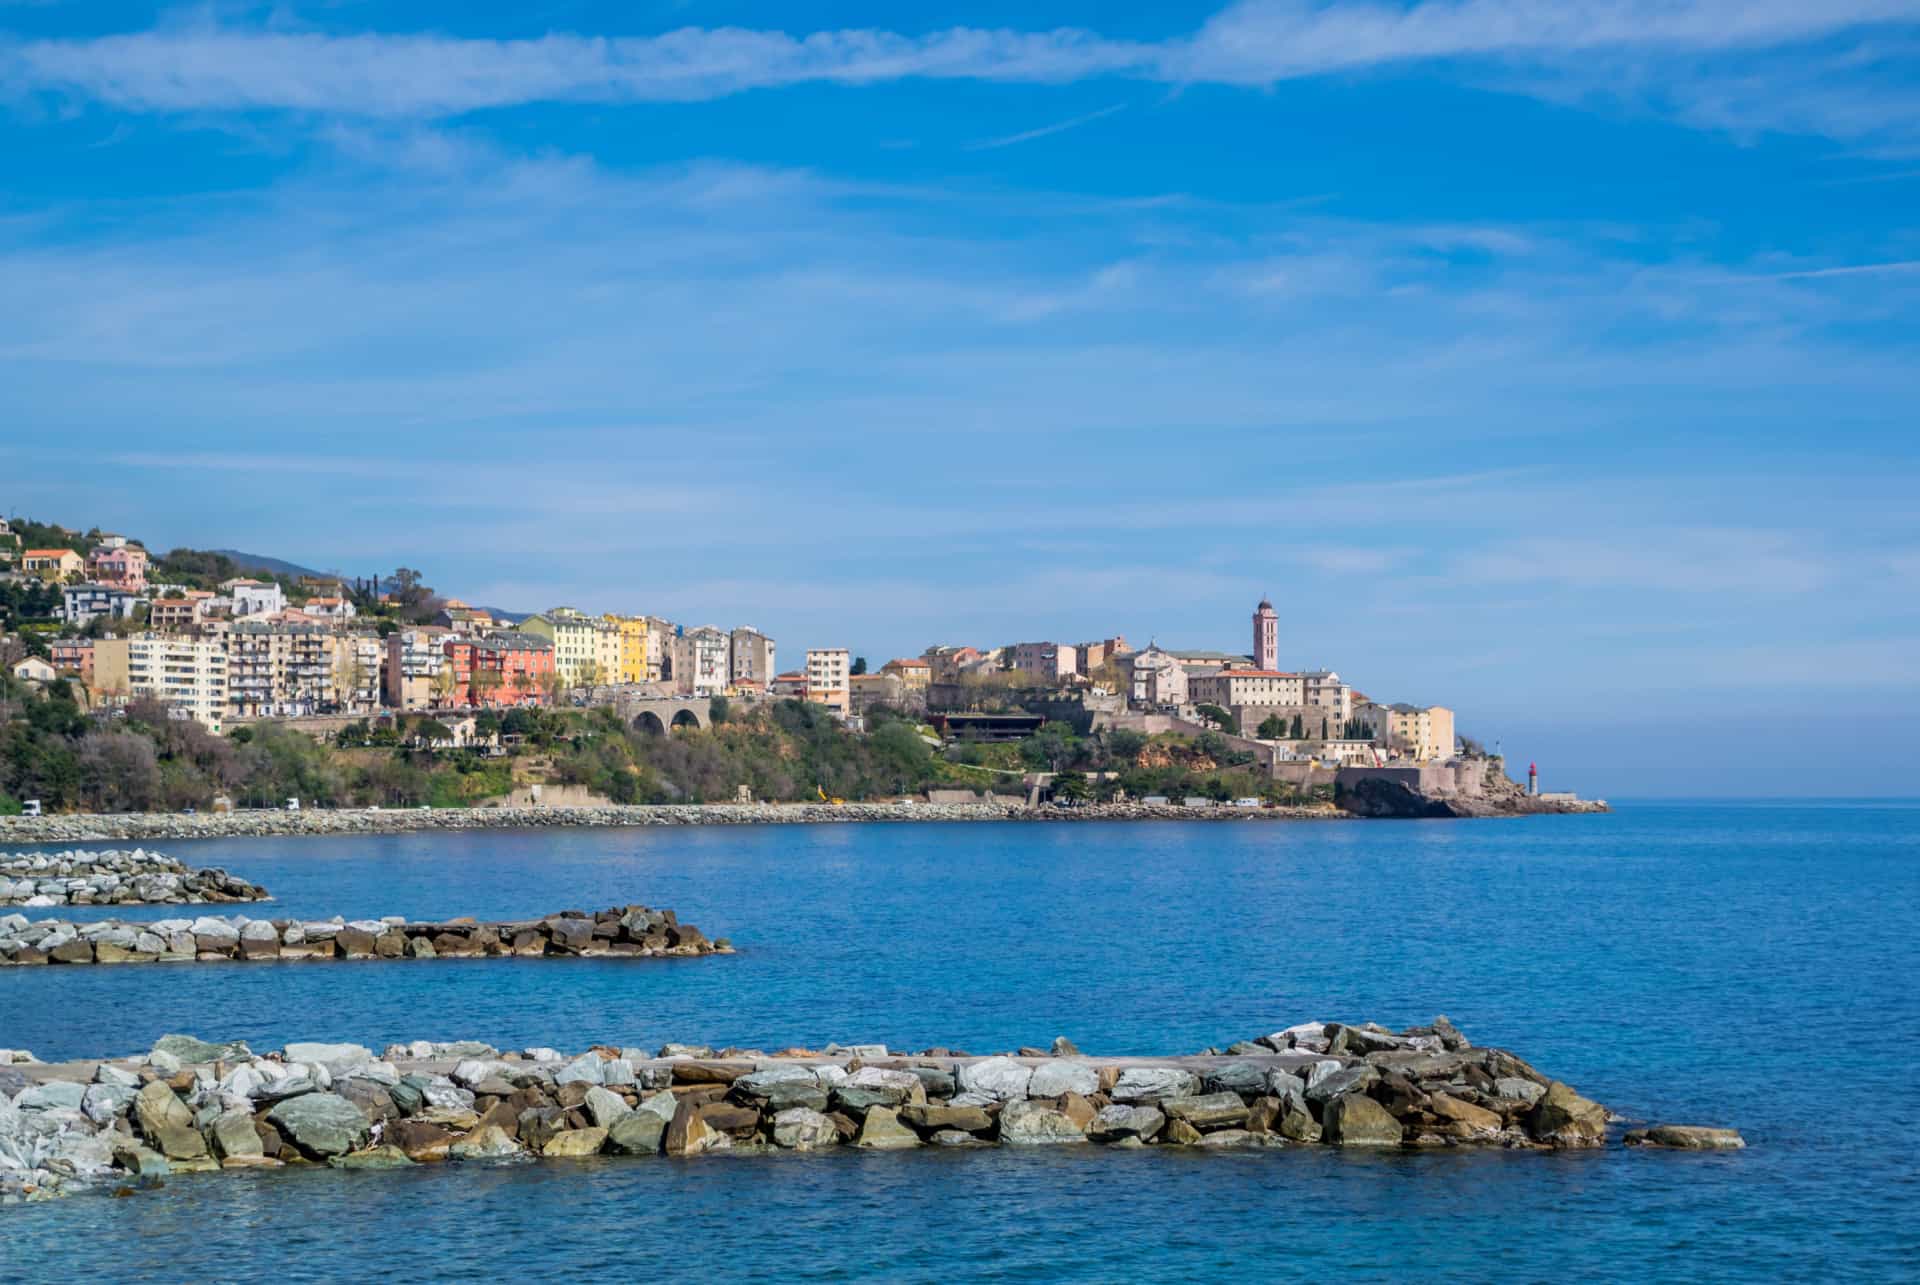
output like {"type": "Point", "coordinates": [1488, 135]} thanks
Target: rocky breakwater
{"type": "Point", "coordinates": [84, 828]}
{"type": "Point", "coordinates": [189, 1105]}
{"type": "Point", "coordinates": [115, 877]}
{"type": "Point", "coordinates": [622, 932]}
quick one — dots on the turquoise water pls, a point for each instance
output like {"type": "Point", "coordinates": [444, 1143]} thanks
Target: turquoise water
{"type": "Point", "coordinates": [1753, 965]}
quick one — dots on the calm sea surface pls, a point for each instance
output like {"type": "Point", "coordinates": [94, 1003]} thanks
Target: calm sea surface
{"type": "Point", "coordinates": [1754, 964]}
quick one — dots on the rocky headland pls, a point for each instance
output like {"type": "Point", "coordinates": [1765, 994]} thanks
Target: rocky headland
{"type": "Point", "coordinates": [189, 1105]}
{"type": "Point", "coordinates": [621, 932]}
{"type": "Point", "coordinates": [115, 877]}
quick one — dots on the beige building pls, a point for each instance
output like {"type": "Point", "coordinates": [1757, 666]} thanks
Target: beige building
{"type": "Point", "coordinates": [1255, 687]}
{"type": "Point", "coordinates": [416, 675]}
{"type": "Point", "coordinates": [1047, 661]}
{"type": "Point", "coordinates": [1156, 679]}
{"type": "Point", "coordinates": [1422, 733]}
{"type": "Point", "coordinates": [915, 673]}
{"type": "Point", "coordinates": [829, 671]}
{"type": "Point", "coordinates": [1322, 689]}
{"type": "Point", "coordinates": [867, 690]}
{"type": "Point", "coordinates": [187, 675]}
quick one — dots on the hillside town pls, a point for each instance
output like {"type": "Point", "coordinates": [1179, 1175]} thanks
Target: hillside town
{"type": "Point", "coordinates": [202, 639]}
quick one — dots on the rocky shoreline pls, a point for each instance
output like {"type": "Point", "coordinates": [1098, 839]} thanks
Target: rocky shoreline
{"type": "Point", "coordinates": [115, 878]}
{"type": "Point", "coordinates": [621, 932]}
{"type": "Point", "coordinates": [85, 828]}
{"type": "Point", "coordinates": [188, 1105]}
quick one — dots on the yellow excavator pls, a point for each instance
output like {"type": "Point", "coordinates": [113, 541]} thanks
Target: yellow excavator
{"type": "Point", "coordinates": [838, 803]}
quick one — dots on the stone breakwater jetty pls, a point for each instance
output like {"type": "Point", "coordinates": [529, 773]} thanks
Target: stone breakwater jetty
{"type": "Point", "coordinates": [622, 932]}
{"type": "Point", "coordinates": [115, 877]}
{"type": "Point", "coordinates": [189, 1105]}
{"type": "Point", "coordinates": [95, 828]}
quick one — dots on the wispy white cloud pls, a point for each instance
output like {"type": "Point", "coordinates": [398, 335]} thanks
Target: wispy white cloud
{"type": "Point", "coordinates": [1045, 131]}
{"type": "Point", "coordinates": [197, 68]}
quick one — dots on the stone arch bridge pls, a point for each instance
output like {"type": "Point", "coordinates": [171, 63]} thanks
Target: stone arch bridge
{"type": "Point", "coordinates": [661, 713]}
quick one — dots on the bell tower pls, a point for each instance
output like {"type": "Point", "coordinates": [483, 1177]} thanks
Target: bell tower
{"type": "Point", "coordinates": [1266, 637]}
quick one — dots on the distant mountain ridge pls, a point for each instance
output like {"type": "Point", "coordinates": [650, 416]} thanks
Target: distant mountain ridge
{"type": "Point", "coordinates": [272, 566]}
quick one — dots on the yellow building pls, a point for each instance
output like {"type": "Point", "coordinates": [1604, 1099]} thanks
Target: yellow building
{"type": "Point", "coordinates": [52, 564]}
{"type": "Point", "coordinates": [577, 649]}
{"type": "Point", "coordinates": [630, 665]}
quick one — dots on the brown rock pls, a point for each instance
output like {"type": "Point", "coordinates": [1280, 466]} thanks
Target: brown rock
{"type": "Point", "coordinates": [728, 1118]}
{"type": "Point", "coordinates": [352, 943]}
{"type": "Point", "coordinates": [1468, 1120]}
{"type": "Point", "coordinates": [689, 1134]}
{"type": "Point", "coordinates": [72, 952]}
{"type": "Point", "coordinates": [423, 1143]}
{"type": "Point", "coordinates": [707, 1072]}
{"type": "Point", "coordinates": [1077, 1109]}
{"type": "Point", "coordinates": [1263, 1114]}
{"type": "Point", "coordinates": [1562, 1118]}
{"type": "Point", "coordinates": [1180, 1133]}
{"type": "Point", "coordinates": [931, 1119]}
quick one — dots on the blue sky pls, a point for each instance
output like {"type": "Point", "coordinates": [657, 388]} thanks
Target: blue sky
{"type": "Point", "coordinates": [1551, 360]}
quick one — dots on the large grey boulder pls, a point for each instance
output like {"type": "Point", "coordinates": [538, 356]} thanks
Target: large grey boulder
{"type": "Point", "coordinates": [55, 1095]}
{"type": "Point", "coordinates": [234, 1136]}
{"type": "Point", "coordinates": [606, 1108]}
{"type": "Point", "coordinates": [103, 1102]}
{"type": "Point", "coordinates": [320, 1124]}
{"type": "Point", "coordinates": [873, 1086]}
{"type": "Point", "coordinates": [1063, 1075]}
{"type": "Point", "coordinates": [188, 1050]}
{"type": "Point", "coordinates": [339, 1059]}
{"type": "Point", "coordinates": [995, 1077]}
{"type": "Point", "coordinates": [638, 1133]}
{"type": "Point", "coordinates": [1033, 1123]}
{"type": "Point", "coordinates": [800, 1129]}
{"type": "Point", "coordinates": [1122, 1121]}
{"type": "Point", "coordinates": [1153, 1083]}
{"type": "Point", "coordinates": [1687, 1137]}
{"type": "Point", "coordinates": [1334, 1084]}
{"type": "Point", "coordinates": [1248, 1079]}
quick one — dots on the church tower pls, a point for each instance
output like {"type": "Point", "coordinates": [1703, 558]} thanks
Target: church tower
{"type": "Point", "coordinates": [1266, 637]}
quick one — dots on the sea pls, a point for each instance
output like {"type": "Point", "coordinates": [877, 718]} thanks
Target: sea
{"type": "Point", "coordinates": [1752, 964]}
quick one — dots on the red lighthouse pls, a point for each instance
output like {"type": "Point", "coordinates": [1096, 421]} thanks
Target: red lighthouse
{"type": "Point", "coordinates": [1533, 778]}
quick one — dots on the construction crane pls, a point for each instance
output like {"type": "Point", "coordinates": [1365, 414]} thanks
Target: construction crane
{"type": "Point", "coordinates": [824, 799]}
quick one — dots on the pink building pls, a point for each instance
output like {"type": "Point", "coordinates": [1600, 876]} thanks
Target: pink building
{"type": "Point", "coordinates": [121, 568]}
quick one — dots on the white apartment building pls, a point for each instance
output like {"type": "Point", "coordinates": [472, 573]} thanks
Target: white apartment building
{"type": "Point", "coordinates": [701, 662]}
{"type": "Point", "coordinates": [82, 604]}
{"type": "Point", "coordinates": [187, 675]}
{"type": "Point", "coordinates": [255, 597]}
{"type": "Point", "coordinates": [829, 675]}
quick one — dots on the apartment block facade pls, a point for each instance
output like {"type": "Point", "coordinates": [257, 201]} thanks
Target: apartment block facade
{"type": "Point", "coordinates": [829, 671]}
{"type": "Point", "coordinates": [187, 675]}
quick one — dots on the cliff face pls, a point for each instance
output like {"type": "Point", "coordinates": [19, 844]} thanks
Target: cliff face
{"type": "Point", "coordinates": [1467, 788]}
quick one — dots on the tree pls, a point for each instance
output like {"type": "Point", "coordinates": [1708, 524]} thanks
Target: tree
{"type": "Point", "coordinates": [1299, 730]}
{"type": "Point", "coordinates": [859, 666]}
{"type": "Point", "coordinates": [1125, 744]}
{"type": "Point", "coordinates": [429, 732]}
{"type": "Point", "coordinates": [443, 684]}
{"type": "Point", "coordinates": [1273, 728]}
{"type": "Point", "coordinates": [717, 709]}
{"type": "Point", "coordinates": [1325, 724]}
{"type": "Point", "coordinates": [1071, 787]}
{"type": "Point", "coordinates": [485, 686]}
{"type": "Point", "coordinates": [1220, 718]}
